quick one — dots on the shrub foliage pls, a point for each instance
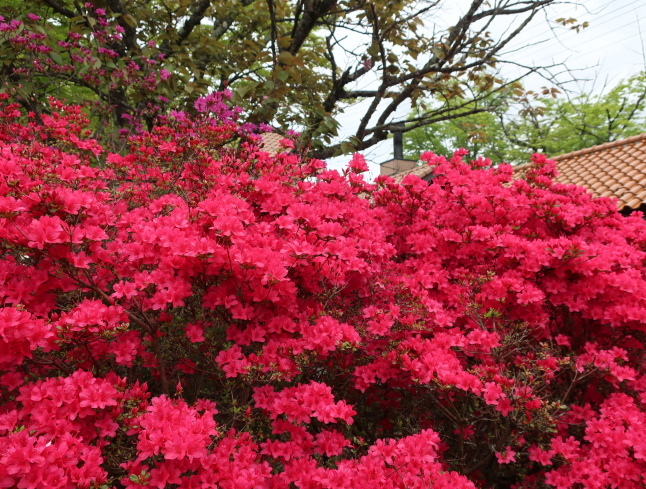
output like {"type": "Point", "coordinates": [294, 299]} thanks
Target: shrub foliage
{"type": "Point", "coordinates": [193, 313]}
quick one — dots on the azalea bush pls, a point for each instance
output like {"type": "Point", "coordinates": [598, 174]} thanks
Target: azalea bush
{"type": "Point", "coordinates": [193, 312]}
{"type": "Point", "coordinates": [181, 309]}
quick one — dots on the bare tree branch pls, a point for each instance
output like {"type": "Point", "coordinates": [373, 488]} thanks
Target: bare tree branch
{"type": "Point", "coordinates": [442, 63]}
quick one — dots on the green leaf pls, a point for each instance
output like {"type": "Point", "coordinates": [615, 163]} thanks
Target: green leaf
{"type": "Point", "coordinates": [128, 19]}
{"type": "Point", "coordinates": [56, 57]}
{"type": "Point", "coordinates": [243, 90]}
{"type": "Point", "coordinates": [295, 74]}
{"type": "Point", "coordinates": [287, 58]}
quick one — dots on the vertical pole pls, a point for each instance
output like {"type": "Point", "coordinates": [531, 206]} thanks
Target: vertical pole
{"type": "Point", "coordinates": [398, 143]}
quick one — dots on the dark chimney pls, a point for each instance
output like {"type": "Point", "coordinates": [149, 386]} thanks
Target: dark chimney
{"type": "Point", "coordinates": [398, 142]}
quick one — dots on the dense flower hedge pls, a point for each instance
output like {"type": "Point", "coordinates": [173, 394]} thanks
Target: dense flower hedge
{"type": "Point", "coordinates": [179, 308]}
{"type": "Point", "coordinates": [190, 311]}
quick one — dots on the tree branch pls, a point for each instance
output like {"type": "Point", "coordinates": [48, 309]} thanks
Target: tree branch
{"type": "Point", "coordinates": [194, 20]}
{"type": "Point", "coordinates": [312, 11]}
{"type": "Point", "coordinates": [61, 9]}
{"type": "Point", "coordinates": [221, 26]}
{"type": "Point", "coordinates": [130, 33]}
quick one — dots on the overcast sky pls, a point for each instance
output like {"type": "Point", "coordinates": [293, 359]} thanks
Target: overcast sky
{"type": "Point", "coordinates": [611, 49]}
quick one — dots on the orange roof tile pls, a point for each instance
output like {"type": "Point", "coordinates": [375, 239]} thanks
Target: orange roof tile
{"type": "Point", "coordinates": [618, 167]}
{"type": "Point", "coordinates": [421, 171]}
{"type": "Point", "coordinates": [612, 169]}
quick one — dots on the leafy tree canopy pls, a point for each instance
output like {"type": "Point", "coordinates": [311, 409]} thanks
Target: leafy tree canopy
{"type": "Point", "coordinates": [289, 63]}
{"type": "Point", "coordinates": [550, 124]}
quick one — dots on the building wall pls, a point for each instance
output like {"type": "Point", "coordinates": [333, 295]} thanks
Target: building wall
{"type": "Point", "coordinates": [391, 167]}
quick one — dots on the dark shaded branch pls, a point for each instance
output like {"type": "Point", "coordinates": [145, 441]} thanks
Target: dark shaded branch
{"type": "Point", "coordinates": [312, 11]}
{"type": "Point", "coordinates": [60, 8]}
{"type": "Point", "coordinates": [273, 30]}
{"type": "Point", "coordinates": [357, 94]}
{"type": "Point", "coordinates": [496, 12]}
{"type": "Point", "coordinates": [194, 20]}
{"type": "Point", "coordinates": [429, 68]}
{"type": "Point", "coordinates": [637, 106]}
{"type": "Point", "coordinates": [435, 66]}
{"type": "Point", "coordinates": [130, 33]}
{"type": "Point", "coordinates": [222, 25]}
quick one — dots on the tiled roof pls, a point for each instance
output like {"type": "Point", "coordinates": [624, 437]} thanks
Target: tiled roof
{"type": "Point", "coordinates": [421, 171]}
{"type": "Point", "coordinates": [270, 142]}
{"type": "Point", "coordinates": [612, 169]}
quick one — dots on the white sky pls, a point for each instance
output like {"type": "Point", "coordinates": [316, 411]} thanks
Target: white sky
{"type": "Point", "coordinates": [612, 48]}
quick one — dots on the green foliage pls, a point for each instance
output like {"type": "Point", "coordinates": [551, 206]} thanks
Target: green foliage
{"type": "Point", "coordinates": [292, 63]}
{"type": "Point", "coordinates": [480, 134]}
{"type": "Point", "coordinates": [552, 125]}
{"type": "Point", "coordinates": [559, 125]}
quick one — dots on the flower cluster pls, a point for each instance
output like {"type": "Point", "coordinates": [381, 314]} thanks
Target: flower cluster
{"type": "Point", "coordinates": [196, 312]}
